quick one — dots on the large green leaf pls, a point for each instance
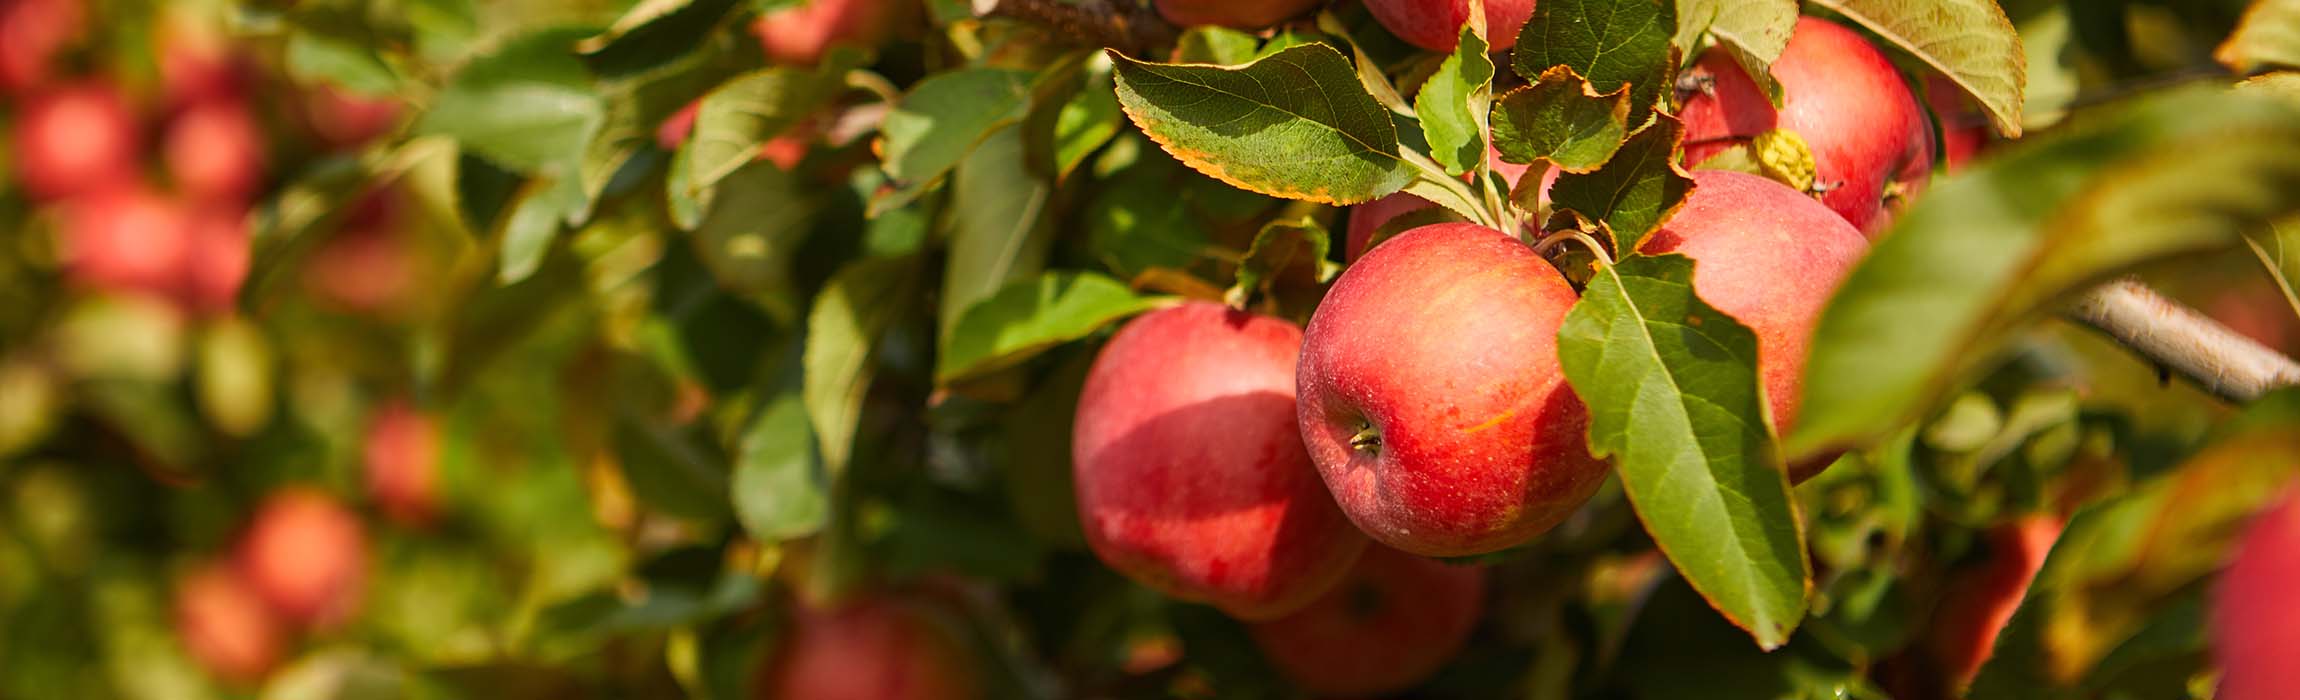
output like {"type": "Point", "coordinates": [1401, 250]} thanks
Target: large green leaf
{"type": "Point", "coordinates": [742, 114]}
{"type": "Point", "coordinates": [997, 222]}
{"type": "Point", "coordinates": [1560, 119]}
{"type": "Point", "coordinates": [532, 223]}
{"type": "Point", "coordinates": [857, 307]}
{"type": "Point", "coordinates": [1671, 385]}
{"type": "Point", "coordinates": [1031, 315]}
{"type": "Point", "coordinates": [1294, 124]}
{"type": "Point", "coordinates": [944, 116]}
{"type": "Point", "coordinates": [1970, 41]}
{"type": "Point", "coordinates": [1982, 252]}
{"type": "Point", "coordinates": [529, 105]}
{"type": "Point", "coordinates": [778, 489]}
{"type": "Point", "coordinates": [1453, 103]}
{"type": "Point", "coordinates": [2269, 36]}
{"type": "Point", "coordinates": [1636, 190]}
{"type": "Point", "coordinates": [1611, 42]}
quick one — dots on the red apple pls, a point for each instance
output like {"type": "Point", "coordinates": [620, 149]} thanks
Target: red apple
{"type": "Point", "coordinates": [1869, 137]}
{"type": "Point", "coordinates": [343, 119]}
{"type": "Point", "coordinates": [1980, 600]}
{"type": "Point", "coordinates": [197, 63]}
{"type": "Point", "coordinates": [802, 34]}
{"type": "Point", "coordinates": [75, 139]}
{"type": "Point", "coordinates": [306, 555]}
{"type": "Point", "coordinates": [368, 266]}
{"type": "Point", "coordinates": [402, 459]}
{"type": "Point", "coordinates": [2255, 625]}
{"type": "Point", "coordinates": [1251, 14]}
{"type": "Point", "coordinates": [1396, 619]}
{"type": "Point", "coordinates": [124, 239]}
{"type": "Point", "coordinates": [1432, 399]}
{"type": "Point", "coordinates": [875, 648]}
{"type": "Point", "coordinates": [1191, 477]}
{"type": "Point", "coordinates": [215, 152]}
{"type": "Point", "coordinates": [1769, 257]}
{"type": "Point", "coordinates": [32, 32]}
{"type": "Point", "coordinates": [216, 259]}
{"type": "Point", "coordinates": [1964, 129]}
{"type": "Point", "coordinates": [1436, 24]}
{"type": "Point", "coordinates": [225, 625]}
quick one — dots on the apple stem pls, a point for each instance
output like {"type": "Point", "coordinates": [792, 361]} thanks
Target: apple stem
{"type": "Point", "coordinates": [1595, 248]}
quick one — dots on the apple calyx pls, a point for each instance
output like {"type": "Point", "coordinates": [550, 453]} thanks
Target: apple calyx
{"type": "Point", "coordinates": [1367, 439]}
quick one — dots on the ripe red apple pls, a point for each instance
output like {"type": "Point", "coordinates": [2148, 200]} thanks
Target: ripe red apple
{"type": "Point", "coordinates": [873, 648]}
{"type": "Point", "coordinates": [1964, 129]}
{"type": "Point", "coordinates": [368, 266]}
{"type": "Point", "coordinates": [216, 259]}
{"type": "Point", "coordinates": [1191, 477]}
{"type": "Point", "coordinates": [32, 32]}
{"type": "Point", "coordinates": [1980, 600]}
{"type": "Point", "coordinates": [402, 459]}
{"type": "Point", "coordinates": [306, 555]}
{"type": "Point", "coordinates": [802, 34]}
{"type": "Point", "coordinates": [197, 60]}
{"type": "Point", "coordinates": [124, 239]}
{"type": "Point", "coordinates": [215, 152]}
{"type": "Point", "coordinates": [1367, 218]}
{"type": "Point", "coordinates": [1252, 14]}
{"type": "Point", "coordinates": [344, 119]}
{"type": "Point", "coordinates": [2255, 616]}
{"type": "Point", "coordinates": [1396, 619]}
{"type": "Point", "coordinates": [1769, 257]}
{"type": "Point", "coordinates": [1431, 396]}
{"type": "Point", "coordinates": [75, 139]}
{"type": "Point", "coordinates": [1436, 24]}
{"type": "Point", "coordinates": [1869, 137]}
{"type": "Point", "coordinates": [225, 626]}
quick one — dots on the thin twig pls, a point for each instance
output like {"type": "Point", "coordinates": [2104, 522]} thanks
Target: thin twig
{"type": "Point", "coordinates": [2185, 342]}
{"type": "Point", "coordinates": [1131, 27]}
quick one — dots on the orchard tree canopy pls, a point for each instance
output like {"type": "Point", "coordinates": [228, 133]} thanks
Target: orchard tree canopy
{"type": "Point", "coordinates": [894, 349]}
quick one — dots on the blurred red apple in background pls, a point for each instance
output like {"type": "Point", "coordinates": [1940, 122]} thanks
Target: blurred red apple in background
{"type": "Point", "coordinates": [1869, 137]}
{"type": "Point", "coordinates": [1191, 475]}
{"type": "Point", "coordinates": [344, 119]}
{"type": "Point", "coordinates": [74, 139]}
{"type": "Point", "coordinates": [1251, 14]}
{"type": "Point", "coordinates": [871, 648]}
{"type": "Point", "coordinates": [216, 259]}
{"type": "Point", "coordinates": [1432, 400]}
{"type": "Point", "coordinates": [1980, 600]}
{"type": "Point", "coordinates": [196, 57]}
{"type": "Point", "coordinates": [215, 152]}
{"type": "Point", "coordinates": [1436, 24]}
{"type": "Point", "coordinates": [402, 460]}
{"type": "Point", "coordinates": [1964, 128]}
{"type": "Point", "coordinates": [2255, 626]}
{"type": "Point", "coordinates": [1396, 619]}
{"type": "Point", "coordinates": [306, 555]}
{"type": "Point", "coordinates": [802, 34]}
{"type": "Point", "coordinates": [125, 239]}
{"type": "Point", "coordinates": [225, 625]}
{"type": "Point", "coordinates": [32, 32]}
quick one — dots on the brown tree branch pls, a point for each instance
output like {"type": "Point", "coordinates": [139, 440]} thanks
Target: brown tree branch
{"type": "Point", "coordinates": [2185, 342]}
{"type": "Point", "coordinates": [1130, 27]}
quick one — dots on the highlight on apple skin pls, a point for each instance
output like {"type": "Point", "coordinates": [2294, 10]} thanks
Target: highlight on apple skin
{"type": "Point", "coordinates": [1431, 396]}
{"type": "Point", "coordinates": [74, 139]}
{"type": "Point", "coordinates": [1395, 620]}
{"type": "Point", "coordinates": [1191, 476]}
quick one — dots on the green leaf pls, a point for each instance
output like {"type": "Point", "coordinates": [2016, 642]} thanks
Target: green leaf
{"type": "Point", "coordinates": [752, 233]}
{"type": "Point", "coordinates": [2268, 36]}
{"type": "Point", "coordinates": [1221, 46]}
{"type": "Point", "coordinates": [1294, 124]}
{"type": "Point", "coordinates": [1759, 29]}
{"type": "Point", "coordinates": [1970, 41]}
{"type": "Point", "coordinates": [318, 57]}
{"type": "Point", "coordinates": [529, 105]}
{"type": "Point", "coordinates": [1031, 315]}
{"type": "Point", "coordinates": [1068, 124]}
{"type": "Point", "coordinates": [857, 307]}
{"type": "Point", "coordinates": [1611, 42]}
{"type": "Point", "coordinates": [741, 115]}
{"type": "Point", "coordinates": [778, 488]}
{"type": "Point", "coordinates": [1369, 70]}
{"type": "Point", "coordinates": [944, 116]}
{"type": "Point", "coordinates": [1453, 104]}
{"type": "Point", "coordinates": [1133, 223]}
{"type": "Point", "coordinates": [533, 222]}
{"type": "Point", "coordinates": [1560, 119]}
{"type": "Point", "coordinates": [2177, 172]}
{"type": "Point", "coordinates": [1635, 191]}
{"type": "Point", "coordinates": [997, 224]}
{"type": "Point", "coordinates": [1671, 385]}
{"type": "Point", "coordinates": [653, 33]}
{"type": "Point", "coordinates": [1288, 259]}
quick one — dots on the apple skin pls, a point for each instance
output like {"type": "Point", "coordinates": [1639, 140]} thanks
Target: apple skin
{"type": "Point", "coordinates": [215, 152]}
{"type": "Point", "coordinates": [1979, 601]}
{"type": "Point", "coordinates": [1964, 129]}
{"type": "Point", "coordinates": [32, 32]}
{"type": "Point", "coordinates": [225, 625]}
{"type": "Point", "coordinates": [1768, 256]}
{"type": "Point", "coordinates": [306, 555]}
{"type": "Point", "coordinates": [342, 119]}
{"type": "Point", "coordinates": [402, 463]}
{"type": "Point", "coordinates": [75, 139]}
{"type": "Point", "coordinates": [1443, 342]}
{"type": "Point", "coordinates": [1868, 134]}
{"type": "Point", "coordinates": [1250, 14]}
{"type": "Point", "coordinates": [1436, 24]}
{"type": "Point", "coordinates": [871, 648]}
{"type": "Point", "coordinates": [1395, 620]}
{"type": "Point", "coordinates": [1191, 476]}
{"type": "Point", "coordinates": [801, 35]}
{"type": "Point", "coordinates": [2255, 624]}
{"type": "Point", "coordinates": [1367, 218]}
{"type": "Point", "coordinates": [124, 239]}
{"type": "Point", "coordinates": [216, 259]}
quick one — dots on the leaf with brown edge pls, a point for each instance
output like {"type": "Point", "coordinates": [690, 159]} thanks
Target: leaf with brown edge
{"type": "Point", "coordinates": [1635, 191]}
{"type": "Point", "coordinates": [1562, 119]}
{"type": "Point", "coordinates": [1295, 124]}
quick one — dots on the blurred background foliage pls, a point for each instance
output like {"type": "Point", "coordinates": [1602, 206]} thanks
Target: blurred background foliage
{"type": "Point", "coordinates": [588, 400]}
